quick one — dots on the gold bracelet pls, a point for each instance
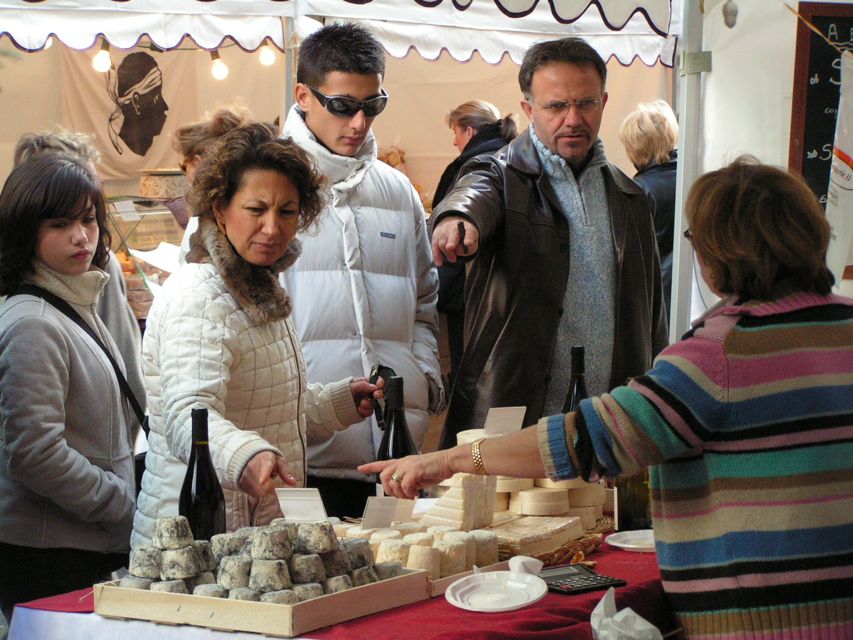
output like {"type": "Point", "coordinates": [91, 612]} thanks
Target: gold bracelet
{"type": "Point", "coordinates": [478, 459]}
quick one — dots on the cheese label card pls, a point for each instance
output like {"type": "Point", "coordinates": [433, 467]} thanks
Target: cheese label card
{"type": "Point", "coordinates": [301, 505]}
{"type": "Point", "coordinates": [126, 210]}
{"type": "Point", "coordinates": [502, 420]}
{"type": "Point", "coordinates": [378, 512]}
{"type": "Point", "coordinates": [403, 511]}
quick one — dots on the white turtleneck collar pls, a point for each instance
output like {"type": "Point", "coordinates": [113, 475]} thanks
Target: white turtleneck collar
{"type": "Point", "coordinates": [343, 172]}
{"type": "Point", "coordinates": [83, 290]}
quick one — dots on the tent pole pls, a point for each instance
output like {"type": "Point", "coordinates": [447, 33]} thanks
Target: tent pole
{"type": "Point", "coordinates": [689, 99]}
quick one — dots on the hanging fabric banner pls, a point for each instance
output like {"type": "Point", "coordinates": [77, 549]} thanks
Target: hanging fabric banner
{"type": "Point", "coordinates": [132, 110]}
{"type": "Point", "coordinates": [839, 203]}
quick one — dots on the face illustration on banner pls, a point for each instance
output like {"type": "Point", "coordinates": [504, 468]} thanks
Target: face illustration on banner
{"type": "Point", "coordinates": [137, 93]}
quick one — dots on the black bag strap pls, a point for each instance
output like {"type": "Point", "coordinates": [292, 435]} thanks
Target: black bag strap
{"type": "Point", "coordinates": [68, 310]}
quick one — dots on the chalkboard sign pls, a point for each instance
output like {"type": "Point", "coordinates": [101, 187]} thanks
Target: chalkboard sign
{"type": "Point", "coordinates": [817, 84]}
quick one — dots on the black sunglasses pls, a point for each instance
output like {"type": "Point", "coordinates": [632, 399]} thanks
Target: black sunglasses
{"type": "Point", "coordinates": [344, 107]}
{"type": "Point", "coordinates": [688, 234]}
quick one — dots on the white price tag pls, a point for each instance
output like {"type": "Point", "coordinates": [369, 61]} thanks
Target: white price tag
{"type": "Point", "coordinates": [502, 420]}
{"type": "Point", "coordinates": [378, 512]}
{"type": "Point", "coordinates": [126, 210]}
{"type": "Point", "coordinates": [301, 505]}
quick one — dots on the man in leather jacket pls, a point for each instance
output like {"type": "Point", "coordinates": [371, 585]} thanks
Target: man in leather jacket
{"type": "Point", "coordinates": [564, 252]}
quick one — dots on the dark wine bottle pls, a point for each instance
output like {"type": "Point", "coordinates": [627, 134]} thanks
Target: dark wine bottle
{"type": "Point", "coordinates": [396, 439]}
{"type": "Point", "coordinates": [577, 383]}
{"type": "Point", "coordinates": [202, 502]}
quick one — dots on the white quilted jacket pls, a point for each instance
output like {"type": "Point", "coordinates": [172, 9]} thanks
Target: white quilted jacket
{"type": "Point", "coordinates": [204, 347]}
{"type": "Point", "coordinates": [364, 291]}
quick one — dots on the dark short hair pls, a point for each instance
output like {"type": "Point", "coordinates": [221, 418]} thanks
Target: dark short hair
{"type": "Point", "coordinates": [194, 139]}
{"type": "Point", "coordinates": [255, 146]}
{"type": "Point", "coordinates": [759, 230]}
{"type": "Point", "coordinates": [572, 50]}
{"type": "Point", "coordinates": [49, 186]}
{"type": "Point", "coordinates": [348, 48]}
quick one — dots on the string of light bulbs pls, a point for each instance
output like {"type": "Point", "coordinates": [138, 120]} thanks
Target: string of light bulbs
{"type": "Point", "coordinates": [102, 62]}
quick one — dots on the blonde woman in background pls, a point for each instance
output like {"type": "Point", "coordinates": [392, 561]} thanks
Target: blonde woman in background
{"type": "Point", "coordinates": [650, 136]}
{"type": "Point", "coordinates": [478, 128]}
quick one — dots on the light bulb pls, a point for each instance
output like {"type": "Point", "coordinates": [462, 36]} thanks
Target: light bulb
{"type": "Point", "coordinates": [267, 55]}
{"type": "Point", "coordinates": [102, 62]}
{"type": "Point", "coordinates": [218, 69]}
{"type": "Point", "coordinates": [730, 13]}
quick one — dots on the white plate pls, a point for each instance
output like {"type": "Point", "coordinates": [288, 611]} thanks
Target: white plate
{"type": "Point", "coordinates": [642, 540]}
{"type": "Point", "coordinates": [495, 591]}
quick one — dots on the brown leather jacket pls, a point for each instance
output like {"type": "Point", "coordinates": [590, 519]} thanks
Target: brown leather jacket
{"type": "Point", "coordinates": [515, 288]}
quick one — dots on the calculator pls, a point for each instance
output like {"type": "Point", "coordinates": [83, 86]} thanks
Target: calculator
{"type": "Point", "coordinates": [577, 578]}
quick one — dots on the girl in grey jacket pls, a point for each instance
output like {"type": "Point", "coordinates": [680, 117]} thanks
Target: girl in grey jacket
{"type": "Point", "coordinates": [66, 457]}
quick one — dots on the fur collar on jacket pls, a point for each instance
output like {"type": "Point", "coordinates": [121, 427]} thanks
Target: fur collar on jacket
{"type": "Point", "coordinates": [256, 289]}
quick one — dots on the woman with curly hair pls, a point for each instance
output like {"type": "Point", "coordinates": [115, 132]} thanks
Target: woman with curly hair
{"type": "Point", "coordinates": [219, 336]}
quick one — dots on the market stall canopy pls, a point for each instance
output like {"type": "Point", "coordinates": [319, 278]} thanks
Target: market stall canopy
{"type": "Point", "coordinates": [626, 29]}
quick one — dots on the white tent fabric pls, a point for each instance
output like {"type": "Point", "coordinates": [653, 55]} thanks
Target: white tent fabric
{"type": "Point", "coordinates": [626, 29]}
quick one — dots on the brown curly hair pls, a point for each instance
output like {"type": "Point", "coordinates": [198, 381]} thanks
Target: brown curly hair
{"type": "Point", "coordinates": [759, 230]}
{"type": "Point", "coordinates": [255, 146]}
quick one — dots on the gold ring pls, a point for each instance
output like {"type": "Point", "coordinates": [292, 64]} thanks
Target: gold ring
{"type": "Point", "coordinates": [395, 478]}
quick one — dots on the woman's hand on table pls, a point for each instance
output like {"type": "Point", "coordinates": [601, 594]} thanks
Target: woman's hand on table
{"type": "Point", "coordinates": [403, 478]}
{"type": "Point", "coordinates": [259, 476]}
{"type": "Point", "coordinates": [363, 393]}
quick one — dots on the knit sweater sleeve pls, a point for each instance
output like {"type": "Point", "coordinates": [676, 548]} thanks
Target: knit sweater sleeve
{"type": "Point", "coordinates": [662, 415]}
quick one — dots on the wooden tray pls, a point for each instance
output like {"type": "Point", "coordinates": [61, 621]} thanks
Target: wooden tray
{"type": "Point", "coordinates": [281, 620]}
{"type": "Point", "coordinates": [438, 587]}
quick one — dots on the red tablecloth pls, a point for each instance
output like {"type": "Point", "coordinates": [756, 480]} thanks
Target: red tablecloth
{"type": "Point", "coordinates": [556, 616]}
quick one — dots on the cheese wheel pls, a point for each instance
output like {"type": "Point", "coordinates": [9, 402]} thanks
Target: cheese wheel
{"type": "Point", "coordinates": [426, 558]}
{"type": "Point", "coordinates": [540, 502]}
{"type": "Point", "coordinates": [336, 584]}
{"type": "Point", "coordinates": [316, 537]}
{"type": "Point", "coordinates": [133, 582]}
{"type": "Point", "coordinates": [363, 576]}
{"type": "Point", "coordinates": [422, 539]}
{"type": "Point", "coordinates": [360, 553]}
{"type": "Point", "coordinates": [234, 572]}
{"type": "Point", "coordinates": [379, 535]}
{"type": "Point", "coordinates": [503, 484]}
{"type": "Point", "coordinates": [501, 502]}
{"type": "Point", "coordinates": [172, 533]}
{"type": "Point", "coordinates": [406, 528]}
{"type": "Point", "coordinates": [285, 596]}
{"type": "Point", "coordinates": [470, 543]}
{"type": "Point", "coordinates": [145, 562]}
{"type": "Point", "coordinates": [486, 543]}
{"type": "Point", "coordinates": [592, 495]}
{"type": "Point", "coordinates": [438, 531]}
{"type": "Point", "coordinates": [307, 568]}
{"type": "Point", "coordinates": [244, 593]}
{"type": "Point", "coordinates": [169, 586]}
{"type": "Point", "coordinates": [336, 563]}
{"type": "Point", "coordinates": [308, 591]}
{"type": "Point", "coordinates": [452, 556]}
{"type": "Point", "coordinates": [271, 544]}
{"type": "Point", "coordinates": [385, 570]}
{"type": "Point", "coordinates": [269, 575]}
{"type": "Point", "coordinates": [226, 544]}
{"type": "Point", "coordinates": [393, 551]}
{"type": "Point", "coordinates": [574, 483]}
{"type": "Point", "coordinates": [210, 591]}
{"type": "Point", "coordinates": [177, 564]}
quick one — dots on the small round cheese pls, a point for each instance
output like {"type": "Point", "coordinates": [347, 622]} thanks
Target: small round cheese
{"type": "Point", "coordinates": [205, 577]}
{"type": "Point", "coordinates": [244, 593]}
{"type": "Point", "coordinates": [439, 530]}
{"type": "Point", "coordinates": [234, 571]}
{"type": "Point", "coordinates": [360, 553]}
{"type": "Point", "coordinates": [170, 586]}
{"type": "Point", "coordinates": [336, 584]}
{"type": "Point", "coordinates": [308, 591]}
{"type": "Point", "coordinates": [269, 575]}
{"type": "Point", "coordinates": [363, 576]}
{"type": "Point", "coordinates": [285, 596]}
{"type": "Point", "coordinates": [422, 539]}
{"type": "Point", "coordinates": [145, 562]}
{"type": "Point", "coordinates": [134, 582]}
{"type": "Point", "coordinates": [393, 551]}
{"type": "Point", "coordinates": [452, 556]}
{"type": "Point", "coordinates": [470, 546]}
{"type": "Point", "coordinates": [210, 591]}
{"type": "Point", "coordinates": [271, 544]}
{"type": "Point", "coordinates": [307, 568]}
{"type": "Point", "coordinates": [487, 547]}
{"type": "Point", "coordinates": [206, 560]}
{"type": "Point", "coordinates": [385, 570]}
{"type": "Point", "coordinates": [426, 558]}
{"type": "Point", "coordinates": [226, 544]}
{"type": "Point", "coordinates": [336, 563]}
{"type": "Point", "coordinates": [316, 537]}
{"type": "Point", "coordinates": [177, 564]}
{"type": "Point", "coordinates": [172, 533]}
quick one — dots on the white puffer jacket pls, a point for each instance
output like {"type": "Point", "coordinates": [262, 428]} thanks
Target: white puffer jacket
{"type": "Point", "coordinates": [364, 291]}
{"type": "Point", "coordinates": [225, 342]}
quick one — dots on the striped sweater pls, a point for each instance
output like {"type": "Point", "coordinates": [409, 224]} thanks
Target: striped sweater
{"type": "Point", "coordinates": [747, 425]}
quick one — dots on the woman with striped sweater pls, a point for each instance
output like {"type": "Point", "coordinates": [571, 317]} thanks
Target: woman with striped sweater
{"type": "Point", "coordinates": [746, 425]}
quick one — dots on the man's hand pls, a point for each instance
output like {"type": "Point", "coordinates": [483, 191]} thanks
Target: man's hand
{"type": "Point", "coordinates": [259, 476]}
{"type": "Point", "coordinates": [452, 238]}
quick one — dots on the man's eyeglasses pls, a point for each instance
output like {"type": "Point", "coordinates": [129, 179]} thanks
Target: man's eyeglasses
{"type": "Point", "coordinates": [561, 107]}
{"type": "Point", "coordinates": [689, 235]}
{"type": "Point", "coordinates": [344, 107]}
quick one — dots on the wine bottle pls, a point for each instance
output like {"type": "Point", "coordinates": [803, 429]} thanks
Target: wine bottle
{"type": "Point", "coordinates": [577, 383]}
{"type": "Point", "coordinates": [202, 502]}
{"type": "Point", "coordinates": [396, 439]}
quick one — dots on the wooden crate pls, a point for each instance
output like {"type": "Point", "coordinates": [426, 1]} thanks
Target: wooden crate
{"type": "Point", "coordinates": [280, 620]}
{"type": "Point", "coordinates": [438, 587]}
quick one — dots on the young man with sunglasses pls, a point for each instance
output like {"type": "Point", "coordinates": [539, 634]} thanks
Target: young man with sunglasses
{"type": "Point", "coordinates": [365, 288]}
{"type": "Point", "coordinates": [565, 252]}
